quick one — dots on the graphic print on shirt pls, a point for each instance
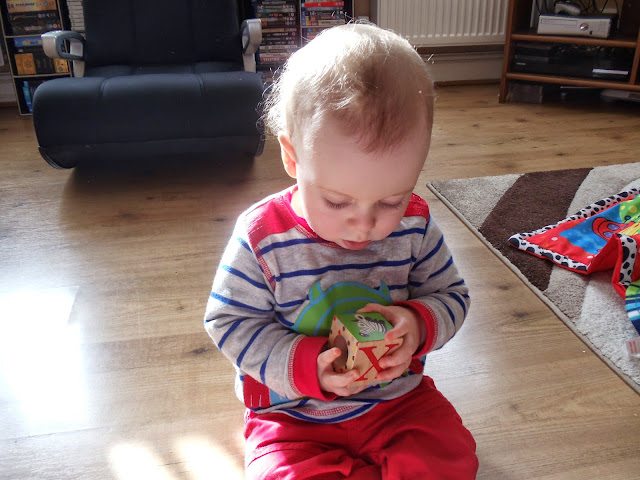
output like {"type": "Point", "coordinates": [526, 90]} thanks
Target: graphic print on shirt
{"type": "Point", "coordinates": [344, 297]}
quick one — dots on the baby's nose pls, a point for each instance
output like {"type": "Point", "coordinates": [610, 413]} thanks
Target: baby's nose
{"type": "Point", "coordinates": [364, 221]}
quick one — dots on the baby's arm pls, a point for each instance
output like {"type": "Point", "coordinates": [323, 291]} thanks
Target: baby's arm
{"type": "Point", "coordinates": [438, 294]}
{"type": "Point", "coordinates": [240, 318]}
{"type": "Point", "coordinates": [433, 313]}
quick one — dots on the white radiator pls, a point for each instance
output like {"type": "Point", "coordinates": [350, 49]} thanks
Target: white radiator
{"type": "Point", "coordinates": [444, 22]}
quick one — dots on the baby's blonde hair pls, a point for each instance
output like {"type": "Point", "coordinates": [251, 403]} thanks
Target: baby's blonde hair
{"type": "Point", "coordinates": [370, 80]}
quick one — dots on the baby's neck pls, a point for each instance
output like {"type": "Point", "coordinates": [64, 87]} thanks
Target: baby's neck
{"type": "Point", "coordinates": [295, 203]}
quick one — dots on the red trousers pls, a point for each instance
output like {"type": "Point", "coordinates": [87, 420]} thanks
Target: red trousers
{"type": "Point", "coordinates": [417, 436]}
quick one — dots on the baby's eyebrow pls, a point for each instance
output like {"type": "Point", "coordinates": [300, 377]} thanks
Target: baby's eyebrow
{"type": "Point", "coordinates": [402, 194]}
{"type": "Point", "coordinates": [334, 192]}
{"type": "Point", "coordinates": [349, 198]}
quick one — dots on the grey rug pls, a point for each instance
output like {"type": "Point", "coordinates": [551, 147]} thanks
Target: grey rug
{"type": "Point", "coordinates": [495, 208]}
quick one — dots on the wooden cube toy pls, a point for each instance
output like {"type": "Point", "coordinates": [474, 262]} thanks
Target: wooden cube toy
{"type": "Point", "coordinates": [360, 336]}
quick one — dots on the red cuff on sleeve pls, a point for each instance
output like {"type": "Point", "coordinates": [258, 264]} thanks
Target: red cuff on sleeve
{"type": "Point", "coordinates": [431, 324]}
{"type": "Point", "coordinates": [304, 368]}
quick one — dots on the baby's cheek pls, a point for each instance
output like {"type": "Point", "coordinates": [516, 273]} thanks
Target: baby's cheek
{"type": "Point", "coordinates": [387, 226]}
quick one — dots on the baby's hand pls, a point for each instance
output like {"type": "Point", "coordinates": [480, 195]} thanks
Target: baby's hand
{"type": "Point", "coordinates": [332, 382]}
{"type": "Point", "coordinates": [406, 324]}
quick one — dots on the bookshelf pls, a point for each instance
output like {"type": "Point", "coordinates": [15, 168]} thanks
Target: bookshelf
{"type": "Point", "coordinates": [23, 21]}
{"type": "Point", "coordinates": [288, 25]}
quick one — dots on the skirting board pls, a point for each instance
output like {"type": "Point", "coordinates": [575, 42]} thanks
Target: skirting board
{"type": "Point", "coordinates": [455, 67]}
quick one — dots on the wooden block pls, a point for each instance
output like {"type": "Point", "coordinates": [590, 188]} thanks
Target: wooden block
{"type": "Point", "coordinates": [360, 336]}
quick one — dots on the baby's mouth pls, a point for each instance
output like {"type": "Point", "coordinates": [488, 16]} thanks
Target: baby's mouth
{"type": "Point", "coordinates": [356, 245]}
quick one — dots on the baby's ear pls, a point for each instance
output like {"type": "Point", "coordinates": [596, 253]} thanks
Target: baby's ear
{"type": "Point", "coordinates": [288, 154]}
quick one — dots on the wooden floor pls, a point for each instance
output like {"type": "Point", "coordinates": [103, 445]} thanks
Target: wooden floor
{"type": "Point", "coordinates": [105, 368]}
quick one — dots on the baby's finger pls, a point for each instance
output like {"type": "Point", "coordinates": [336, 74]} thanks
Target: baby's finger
{"type": "Point", "coordinates": [399, 357]}
{"type": "Point", "coordinates": [326, 358]}
{"type": "Point", "coordinates": [352, 388]}
{"type": "Point", "coordinates": [375, 307]}
{"type": "Point", "coordinates": [340, 382]}
{"type": "Point", "coordinates": [391, 373]}
{"type": "Point", "coordinates": [398, 331]}
{"type": "Point", "coordinates": [371, 307]}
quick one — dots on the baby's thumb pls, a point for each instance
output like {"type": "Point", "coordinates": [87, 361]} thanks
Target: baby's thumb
{"type": "Point", "coordinates": [327, 357]}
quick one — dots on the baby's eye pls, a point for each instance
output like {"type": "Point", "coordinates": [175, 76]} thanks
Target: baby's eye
{"type": "Point", "coordinates": [336, 206]}
{"type": "Point", "coordinates": [390, 205]}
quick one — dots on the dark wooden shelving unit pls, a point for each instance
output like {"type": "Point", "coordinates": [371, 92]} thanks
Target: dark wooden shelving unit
{"type": "Point", "coordinates": [518, 29]}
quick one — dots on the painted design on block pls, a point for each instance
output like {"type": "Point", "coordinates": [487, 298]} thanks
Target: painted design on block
{"type": "Point", "coordinates": [368, 325]}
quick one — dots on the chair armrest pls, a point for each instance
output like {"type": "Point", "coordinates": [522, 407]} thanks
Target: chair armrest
{"type": "Point", "coordinates": [251, 31]}
{"type": "Point", "coordinates": [53, 44]}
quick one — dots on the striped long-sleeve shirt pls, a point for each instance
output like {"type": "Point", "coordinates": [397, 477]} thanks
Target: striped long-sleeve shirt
{"type": "Point", "coordinates": [278, 285]}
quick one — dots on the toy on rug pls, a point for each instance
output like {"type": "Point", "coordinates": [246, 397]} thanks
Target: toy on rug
{"type": "Point", "coordinates": [360, 336]}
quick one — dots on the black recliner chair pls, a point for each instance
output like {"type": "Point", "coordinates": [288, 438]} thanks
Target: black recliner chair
{"type": "Point", "coordinates": [152, 77]}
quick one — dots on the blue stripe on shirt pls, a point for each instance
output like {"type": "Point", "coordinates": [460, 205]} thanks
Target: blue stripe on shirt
{"type": "Point", "coordinates": [438, 272]}
{"type": "Point", "coordinates": [283, 320]}
{"type": "Point", "coordinates": [293, 303]}
{"type": "Point", "coordinates": [408, 231]}
{"type": "Point", "coordinates": [235, 303]}
{"type": "Point", "coordinates": [453, 317]}
{"type": "Point", "coordinates": [286, 243]}
{"type": "Point", "coordinates": [433, 251]}
{"type": "Point", "coordinates": [339, 268]}
{"type": "Point", "coordinates": [249, 343]}
{"type": "Point", "coordinates": [228, 332]}
{"type": "Point", "coordinates": [456, 297]}
{"type": "Point", "coordinates": [263, 369]}
{"type": "Point", "coordinates": [244, 244]}
{"type": "Point", "coordinates": [243, 276]}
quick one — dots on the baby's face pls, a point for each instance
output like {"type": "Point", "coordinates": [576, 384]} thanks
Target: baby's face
{"type": "Point", "coordinates": [351, 197]}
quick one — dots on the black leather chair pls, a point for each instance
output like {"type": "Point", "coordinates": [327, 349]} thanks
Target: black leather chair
{"type": "Point", "coordinates": [152, 77]}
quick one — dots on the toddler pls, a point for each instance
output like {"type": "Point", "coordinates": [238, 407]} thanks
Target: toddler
{"type": "Point", "coordinates": [353, 112]}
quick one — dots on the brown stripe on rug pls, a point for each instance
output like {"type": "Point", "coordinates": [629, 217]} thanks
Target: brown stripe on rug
{"type": "Point", "coordinates": [535, 200]}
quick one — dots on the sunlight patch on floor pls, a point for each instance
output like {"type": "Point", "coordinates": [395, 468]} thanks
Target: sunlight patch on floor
{"type": "Point", "coordinates": [41, 363]}
{"type": "Point", "coordinates": [208, 460]}
{"type": "Point", "coordinates": [199, 458]}
{"type": "Point", "coordinates": [130, 461]}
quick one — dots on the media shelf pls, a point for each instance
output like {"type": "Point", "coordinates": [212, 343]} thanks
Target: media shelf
{"type": "Point", "coordinates": [288, 25]}
{"type": "Point", "coordinates": [23, 21]}
{"type": "Point", "coordinates": [518, 30]}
